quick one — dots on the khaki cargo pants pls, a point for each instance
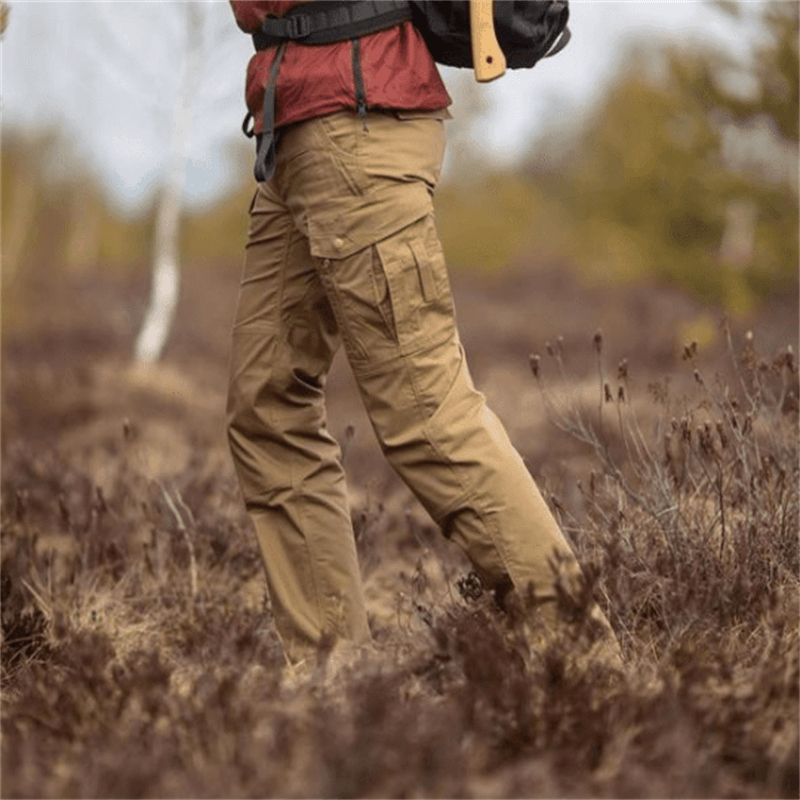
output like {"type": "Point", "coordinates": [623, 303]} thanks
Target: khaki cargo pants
{"type": "Point", "coordinates": [342, 248]}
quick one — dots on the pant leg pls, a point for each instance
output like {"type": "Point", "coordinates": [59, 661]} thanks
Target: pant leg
{"type": "Point", "coordinates": [284, 339]}
{"type": "Point", "coordinates": [432, 424]}
{"type": "Point", "coordinates": [388, 287]}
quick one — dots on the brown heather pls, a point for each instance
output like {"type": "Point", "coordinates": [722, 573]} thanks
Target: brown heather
{"type": "Point", "coordinates": [139, 657]}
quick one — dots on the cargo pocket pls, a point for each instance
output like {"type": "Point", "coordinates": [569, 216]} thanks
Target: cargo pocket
{"type": "Point", "coordinates": [414, 290]}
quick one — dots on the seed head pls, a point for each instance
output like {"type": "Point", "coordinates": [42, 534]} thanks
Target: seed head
{"type": "Point", "coordinates": [723, 437]}
{"type": "Point", "coordinates": [607, 390]}
{"type": "Point", "coordinates": [598, 340]}
{"type": "Point", "coordinates": [622, 370]}
{"type": "Point", "coordinates": [785, 359]}
{"type": "Point", "coordinates": [705, 439]}
{"type": "Point", "coordinates": [534, 361]}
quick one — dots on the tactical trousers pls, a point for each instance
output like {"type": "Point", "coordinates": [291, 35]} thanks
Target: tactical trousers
{"type": "Point", "coordinates": [342, 249]}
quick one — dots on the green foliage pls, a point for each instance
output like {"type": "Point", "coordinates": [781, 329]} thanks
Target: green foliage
{"type": "Point", "coordinates": [776, 73]}
{"type": "Point", "coordinates": [221, 230]}
{"type": "Point", "coordinates": [484, 224]}
{"type": "Point", "coordinates": [85, 231]}
{"type": "Point", "coordinates": [652, 188]}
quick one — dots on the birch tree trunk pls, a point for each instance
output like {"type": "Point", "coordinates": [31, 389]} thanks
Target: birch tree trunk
{"type": "Point", "coordinates": [165, 269]}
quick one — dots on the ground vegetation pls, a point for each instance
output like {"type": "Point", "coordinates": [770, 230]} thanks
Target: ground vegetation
{"type": "Point", "coordinates": [139, 657]}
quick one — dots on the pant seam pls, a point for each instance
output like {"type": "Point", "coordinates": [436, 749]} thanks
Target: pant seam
{"type": "Point", "coordinates": [331, 288]}
{"type": "Point", "coordinates": [468, 491]}
{"type": "Point", "coordinates": [307, 532]}
{"type": "Point", "coordinates": [282, 328]}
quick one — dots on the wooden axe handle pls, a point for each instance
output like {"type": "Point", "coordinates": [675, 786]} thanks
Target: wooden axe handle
{"type": "Point", "coordinates": [487, 57]}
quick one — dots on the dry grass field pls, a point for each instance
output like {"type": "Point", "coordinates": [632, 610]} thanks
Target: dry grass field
{"type": "Point", "coordinates": [139, 657]}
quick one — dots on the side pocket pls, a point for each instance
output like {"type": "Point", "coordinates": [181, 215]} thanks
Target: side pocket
{"type": "Point", "coordinates": [383, 295]}
{"type": "Point", "coordinates": [341, 139]}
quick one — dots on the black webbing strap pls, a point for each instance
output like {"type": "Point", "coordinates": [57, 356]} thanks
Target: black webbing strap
{"type": "Point", "coordinates": [332, 21]}
{"type": "Point", "coordinates": [358, 78]}
{"type": "Point", "coordinates": [268, 141]}
{"type": "Point", "coordinates": [556, 10]}
{"type": "Point", "coordinates": [562, 42]}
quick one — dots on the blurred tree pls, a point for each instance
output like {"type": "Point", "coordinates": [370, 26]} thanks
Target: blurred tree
{"type": "Point", "coordinates": [4, 14]}
{"type": "Point", "coordinates": [140, 72]}
{"type": "Point", "coordinates": [658, 181]}
{"type": "Point", "coordinates": [777, 80]}
{"type": "Point", "coordinates": [483, 214]}
{"type": "Point", "coordinates": [19, 198]}
{"type": "Point", "coordinates": [465, 161]}
{"type": "Point", "coordinates": [166, 256]}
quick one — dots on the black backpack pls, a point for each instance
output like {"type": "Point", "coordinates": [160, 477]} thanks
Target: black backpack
{"type": "Point", "coordinates": [526, 30]}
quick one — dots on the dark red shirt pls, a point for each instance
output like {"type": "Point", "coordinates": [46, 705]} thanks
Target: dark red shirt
{"type": "Point", "coordinates": [399, 72]}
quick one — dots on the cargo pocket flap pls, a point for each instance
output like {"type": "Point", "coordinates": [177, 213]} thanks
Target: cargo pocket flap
{"type": "Point", "coordinates": [425, 269]}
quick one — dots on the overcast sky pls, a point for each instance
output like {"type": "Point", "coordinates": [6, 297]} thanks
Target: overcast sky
{"type": "Point", "coordinates": [106, 73]}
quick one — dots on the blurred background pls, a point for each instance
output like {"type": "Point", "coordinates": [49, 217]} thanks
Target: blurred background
{"type": "Point", "coordinates": [661, 145]}
{"type": "Point", "coordinates": [642, 183]}
{"type": "Point", "coordinates": [644, 180]}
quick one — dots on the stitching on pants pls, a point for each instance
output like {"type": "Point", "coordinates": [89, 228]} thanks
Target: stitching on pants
{"type": "Point", "coordinates": [403, 352]}
{"type": "Point", "coordinates": [282, 290]}
{"type": "Point", "coordinates": [334, 298]}
{"type": "Point", "coordinates": [307, 530]}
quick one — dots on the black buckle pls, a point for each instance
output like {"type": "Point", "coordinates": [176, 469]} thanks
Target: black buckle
{"type": "Point", "coordinates": [298, 27]}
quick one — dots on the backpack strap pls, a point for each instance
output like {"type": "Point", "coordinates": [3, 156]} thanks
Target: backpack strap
{"type": "Point", "coordinates": [332, 21]}
{"type": "Point", "coordinates": [562, 42]}
{"type": "Point", "coordinates": [556, 43]}
{"type": "Point", "coordinates": [267, 142]}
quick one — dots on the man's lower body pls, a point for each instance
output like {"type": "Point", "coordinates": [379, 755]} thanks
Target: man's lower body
{"type": "Point", "coordinates": [342, 249]}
